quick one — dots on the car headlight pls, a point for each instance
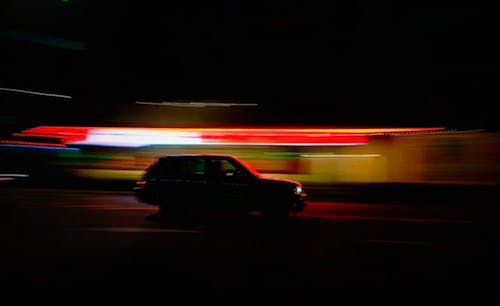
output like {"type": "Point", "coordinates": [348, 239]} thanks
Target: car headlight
{"type": "Point", "coordinates": [297, 190]}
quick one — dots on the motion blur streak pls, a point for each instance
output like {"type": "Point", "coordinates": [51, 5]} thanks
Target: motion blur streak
{"type": "Point", "coordinates": [35, 93]}
{"type": "Point", "coordinates": [73, 130]}
{"type": "Point", "coordinates": [137, 137]}
{"type": "Point", "coordinates": [13, 175]}
{"type": "Point", "coordinates": [316, 157]}
{"type": "Point", "coordinates": [37, 147]}
{"type": "Point", "coordinates": [197, 104]}
{"type": "Point", "coordinates": [341, 155]}
{"type": "Point", "coordinates": [28, 143]}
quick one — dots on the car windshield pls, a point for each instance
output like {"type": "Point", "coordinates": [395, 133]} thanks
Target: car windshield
{"type": "Point", "coordinates": [251, 169]}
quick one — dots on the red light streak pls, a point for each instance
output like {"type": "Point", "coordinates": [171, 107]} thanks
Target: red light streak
{"type": "Point", "coordinates": [235, 136]}
{"type": "Point", "coordinates": [30, 143]}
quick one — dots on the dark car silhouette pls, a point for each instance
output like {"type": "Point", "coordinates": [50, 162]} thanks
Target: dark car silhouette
{"type": "Point", "coordinates": [217, 184]}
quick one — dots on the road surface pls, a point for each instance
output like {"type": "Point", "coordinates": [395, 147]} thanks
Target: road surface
{"type": "Point", "coordinates": [87, 242]}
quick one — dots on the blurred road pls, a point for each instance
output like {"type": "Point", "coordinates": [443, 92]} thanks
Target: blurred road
{"type": "Point", "coordinates": [89, 242]}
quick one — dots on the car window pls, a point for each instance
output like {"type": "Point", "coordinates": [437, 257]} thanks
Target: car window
{"type": "Point", "coordinates": [225, 169]}
{"type": "Point", "coordinates": [191, 168]}
{"type": "Point", "coordinates": [178, 168]}
{"type": "Point", "coordinates": [227, 166]}
{"type": "Point", "coordinates": [196, 167]}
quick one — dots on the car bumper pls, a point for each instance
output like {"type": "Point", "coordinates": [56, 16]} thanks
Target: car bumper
{"type": "Point", "coordinates": [300, 203]}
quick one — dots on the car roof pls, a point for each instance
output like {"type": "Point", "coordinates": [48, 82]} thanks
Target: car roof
{"type": "Point", "coordinates": [210, 155]}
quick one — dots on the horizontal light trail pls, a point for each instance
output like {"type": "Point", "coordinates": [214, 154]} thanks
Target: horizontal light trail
{"type": "Point", "coordinates": [38, 93]}
{"type": "Point", "coordinates": [196, 104]}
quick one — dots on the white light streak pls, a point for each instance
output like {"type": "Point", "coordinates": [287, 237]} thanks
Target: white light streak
{"type": "Point", "coordinates": [13, 175]}
{"type": "Point", "coordinates": [132, 138]}
{"type": "Point", "coordinates": [35, 93]}
{"type": "Point", "coordinates": [197, 104]}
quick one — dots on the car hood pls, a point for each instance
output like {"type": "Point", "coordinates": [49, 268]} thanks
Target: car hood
{"type": "Point", "coordinates": [279, 181]}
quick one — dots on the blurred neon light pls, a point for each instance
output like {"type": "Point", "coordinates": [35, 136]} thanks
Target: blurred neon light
{"type": "Point", "coordinates": [65, 134]}
{"type": "Point", "coordinates": [138, 137]}
{"type": "Point", "coordinates": [78, 130]}
{"type": "Point", "coordinates": [36, 93]}
{"type": "Point", "coordinates": [282, 139]}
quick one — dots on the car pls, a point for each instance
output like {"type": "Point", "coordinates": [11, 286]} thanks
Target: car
{"type": "Point", "coordinates": [207, 183]}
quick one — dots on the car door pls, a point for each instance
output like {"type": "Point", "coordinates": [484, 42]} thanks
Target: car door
{"type": "Point", "coordinates": [192, 182]}
{"type": "Point", "coordinates": [229, 186]}
{"type": "Point", "coordinates": [183, 182]}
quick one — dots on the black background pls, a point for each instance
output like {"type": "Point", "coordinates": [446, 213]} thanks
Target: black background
{"type": "Point", "coordinates": [357, 63]}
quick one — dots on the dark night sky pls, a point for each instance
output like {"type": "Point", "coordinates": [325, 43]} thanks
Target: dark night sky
{"type": "Point", "coordinates": [330, 62]}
